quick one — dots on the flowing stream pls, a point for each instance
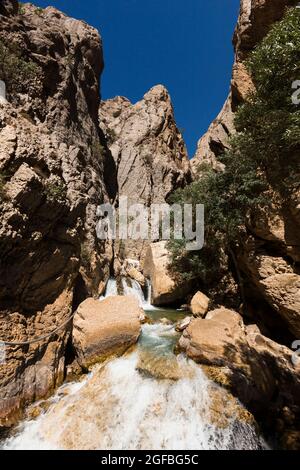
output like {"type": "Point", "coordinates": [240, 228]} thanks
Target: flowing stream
{"type": "Point", "coordinates": [147, 399]}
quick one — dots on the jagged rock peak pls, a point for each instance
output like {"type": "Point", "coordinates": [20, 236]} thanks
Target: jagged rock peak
{"type": "Point", "coordinates": [147, 147]}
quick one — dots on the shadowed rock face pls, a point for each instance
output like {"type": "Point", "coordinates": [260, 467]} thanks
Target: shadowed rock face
{"type": "Point", "coordinates": [148, 150]}
{"type": "Point", "coordinates": [51, 163]}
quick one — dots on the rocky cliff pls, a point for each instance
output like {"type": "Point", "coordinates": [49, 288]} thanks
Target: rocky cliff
{"type": "Point", "coordinates": [270, 253]}
{"type": "Point", "coordinates": [148, 150]}
{"type": "Point", "coordinates": [51, 167]}
{"type": "Point", "coordinates": [56, 166]}
{"type": "Point", "coordinates": [268, 265]}
{"type": "Point", "coordinates": [255, 19]}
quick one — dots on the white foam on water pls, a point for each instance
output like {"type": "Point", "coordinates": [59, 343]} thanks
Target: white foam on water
{"type": "Point", "coordinates": [118, 407]}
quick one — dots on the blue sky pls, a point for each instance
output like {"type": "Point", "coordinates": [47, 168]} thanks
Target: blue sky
{"type": "Point", "coordinates": [182, 44]}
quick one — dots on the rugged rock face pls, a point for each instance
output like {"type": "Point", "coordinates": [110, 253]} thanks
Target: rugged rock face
{"type": "Point", "coordinates": [270, 255]}
{"type": "Point", "coordinates": [51, 164]}
{"type": "Point", "coordinates": [255, 19]}
{"type": "Point", "coordinates": [165, 288]}
{"type": "Point", "coordinates": [261, 373]}
{"type": "Point", "coordinates": [148, 150]}
{"type": "Point", "coordinates": [104, 328]}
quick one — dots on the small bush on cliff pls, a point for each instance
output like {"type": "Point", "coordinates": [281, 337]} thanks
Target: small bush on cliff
{"type": "Point", "coordinates": [15, 70]}
{"type": "Point", "coordinates": [98, 150]}
{"type": "Point", "coordinates": [55, 191]}
{"type": "Point", "coordinates": [264, 153]}
{"type": "Point", "coordinates": [2, 186]}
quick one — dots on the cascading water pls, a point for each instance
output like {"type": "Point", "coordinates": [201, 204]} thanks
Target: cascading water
{"type": "Point", "coordinates": [148, 399]}
{"type": "Point", "coordinates": [111, 289]}
{"type": "Point", "coordinates": [131, 287]}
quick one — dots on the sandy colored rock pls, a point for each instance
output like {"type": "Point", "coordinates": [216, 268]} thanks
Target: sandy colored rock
{"type": "Point", "coordinates": [199, 304]}
{"type": "Point", "coordinates": [240, 358]}
{"type": "Point", "coordinates": [104, 328]}
{"type": "Point", "coordinates": [148, 150]}
{"type": "Point", "coordinates": [49, 150]}
{"type": "Point", "coordinates": [165, 289]}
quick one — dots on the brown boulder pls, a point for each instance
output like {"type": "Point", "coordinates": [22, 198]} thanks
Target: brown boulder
{"type": "Point", "coordinates": [103, 328]}
{"type": "Point", "coordinates": [199, 305]}
{"type": "Point", "coordinates": [252, 366]}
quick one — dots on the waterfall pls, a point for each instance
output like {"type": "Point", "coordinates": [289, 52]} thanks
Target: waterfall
{"type": "Point", "coordinates": [2, 93]}
{"type": "Point", "coordinates": [119, 406]}
{"type": "Point", "coordinates": [131, 287]}
{"type": "Point", "coordinates": [111, 289]}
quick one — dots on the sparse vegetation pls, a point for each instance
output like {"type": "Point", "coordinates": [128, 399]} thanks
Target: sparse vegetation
{"type": "Point", "coordinates": [111, 135]}
{"type": "Point", "coordinates": [39, 11]}
{"type": "Point", "coordinates": [98, 150]}
{"type": "Point", "coordinates": [21, 10]}
{"type": "Point", "coordinates": [2, 186]}
{"type": "Point", "coordinates": [55, 191]}
{"type": "Point", "coordinates": [15, 70]}
{"type": "Point", "coordinates": [85, 255]}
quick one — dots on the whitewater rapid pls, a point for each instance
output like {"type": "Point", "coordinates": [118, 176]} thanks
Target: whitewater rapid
{"type": "Point", "coordinates": [148, 399]}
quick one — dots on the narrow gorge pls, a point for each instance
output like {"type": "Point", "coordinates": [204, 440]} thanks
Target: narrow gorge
{"type": "Point", "coordinates": [137, 344]}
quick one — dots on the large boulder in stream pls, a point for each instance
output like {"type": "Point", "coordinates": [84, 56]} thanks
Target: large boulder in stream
{"type": "Point", "coordinates": [263, 374]}
{"type": "Point", "coordinates": [107, 327]}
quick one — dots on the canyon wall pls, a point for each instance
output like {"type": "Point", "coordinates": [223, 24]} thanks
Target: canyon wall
{"type": "Point", "coordinates": [51, 168]}
{"type": "Point", "coordinates": [270, 253]}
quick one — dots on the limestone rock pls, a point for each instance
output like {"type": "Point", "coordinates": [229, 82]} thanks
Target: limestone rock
{"type": "Point", "coordinates": [165, 288]}
{"type": "Point", "coordinates": [255, 19]}
{"type": "Point", "coordinates": [260, 372]}
{"type": "Point", "coordinates": [183, 324]}
{"type": "Point", "coordinates": [54, 175]}
{"type": "Point", "coordinates": [214, 141]}
{"type": "Point", "coordinates": [199, 305]}
{"type": "Point", "coordinates": [105, 328]}
{"type": "Point", "coordinates": [148, 150]}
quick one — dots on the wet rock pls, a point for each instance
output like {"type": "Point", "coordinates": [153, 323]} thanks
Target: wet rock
{"type": "Point", "coordinates": [183, 324]}
{"type": "Point", "coordinates": [252, 366]}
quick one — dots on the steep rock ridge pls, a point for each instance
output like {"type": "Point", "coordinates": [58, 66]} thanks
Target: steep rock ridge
{"type": "Point", "coordinates": [51, 164]}
{"type": "Point", "coordinates": [148, 150]}
{"type": "Point", "coordinates": [255, 19]}
{"type": "Point", "coordinates": [274, 234]}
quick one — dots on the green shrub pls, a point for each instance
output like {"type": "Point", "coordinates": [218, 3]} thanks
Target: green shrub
{"type": "Point", "coordinates": [39, 11]}
{"type": "Point", "coordinates": [98, 150]}
{"type": "Point", "coordinates": [55, 191]}
{"type": "Point", "coordinates": [15, 70]}
{"type": "Point", "coordinates": [85, 255]}
{"type": "Point", "coordinates": [21, 10]}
